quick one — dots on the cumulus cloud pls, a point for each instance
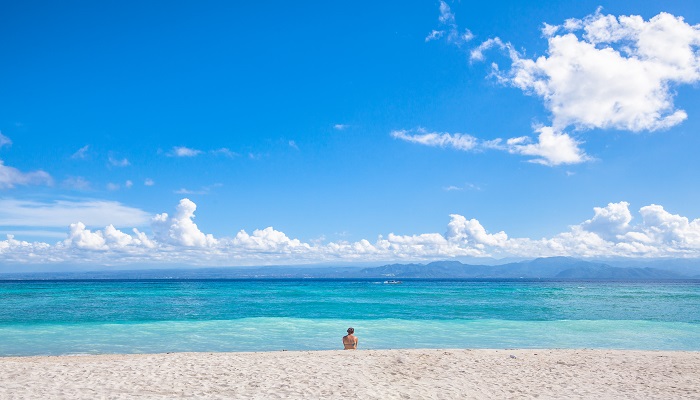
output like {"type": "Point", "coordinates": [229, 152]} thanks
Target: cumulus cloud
{"type": "Point", "coordinates": [599, 72]}
{"type": "Point", "coordinates": [611, 231]}
{"type": "Point", "coordinates": [458, 141]}
{"type": "Point", "coordinates": [340, 127]}
{"type": "Point", "coordinates": [610, 221]}
{"type": "Point", "coordinates": [266, 240]}
{"type": "Point", "coordinates": [552, 148]}
{"type": "Point", "coordinates": [11, 177]}
{"type": "Point", "coordinates": [149, 182]}
{"type": "Point", "coordinates": [604, 71]}
{"type": "Point", "coordinates": [180, 228]}
{"type": "Point", "coordinates": [618, 72]}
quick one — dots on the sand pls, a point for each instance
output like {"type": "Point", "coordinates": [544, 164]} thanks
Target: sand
{"type": "Point", "coordinates": [362, 374]}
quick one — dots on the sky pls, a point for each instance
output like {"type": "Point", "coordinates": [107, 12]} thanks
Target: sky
{"type": "Point", "coordinates": [236, 134]}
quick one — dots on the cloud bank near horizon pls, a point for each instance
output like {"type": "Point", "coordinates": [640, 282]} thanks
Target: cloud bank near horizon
{"type": "Point", "coordinates": [177, 239]}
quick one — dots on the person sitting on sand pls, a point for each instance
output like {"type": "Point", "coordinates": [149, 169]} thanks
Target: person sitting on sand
{"type": "Point", "coordinates": [350, 340]}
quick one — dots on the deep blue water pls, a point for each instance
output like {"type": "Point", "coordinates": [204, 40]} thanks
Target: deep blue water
{"type": "Point", "coordinates": [135, 316]}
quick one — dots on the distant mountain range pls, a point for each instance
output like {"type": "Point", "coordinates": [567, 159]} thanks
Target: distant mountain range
{"type": "Point", "coordinates": [551, 268]}
{"type": "Point", "coordinates": [540, 268]}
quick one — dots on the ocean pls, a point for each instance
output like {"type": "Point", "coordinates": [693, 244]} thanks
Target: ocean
{"type": "Point", "coordinates": [156, 316]}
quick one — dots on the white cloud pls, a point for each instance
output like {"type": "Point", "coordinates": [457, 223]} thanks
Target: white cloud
{"type": "Point", "coordinates": [266, 240]}
{"type": "Point", "coordinates": [4, 141]}
{"type": "Point", "coordinates": [477, 54]}
{"type": "Point", "coordinates": [449, 28]}
{"type": "Point", "coordinates": [182, 151]}
{"type": "Point", "coordinates": [599, 72]}
{"type": "Point", "coordinates": [11, 177]}
{"type": "Point", "coordinates": [610, 221]}
{"type": "Point", "coordinates": [108, 239]}
{"type": "Point", "coordinates": [472, 232]}
{"type": "Point", "coordinates": [434, 35]}
{"type": "Point", "coordinates": [83, 238]}
{"type": "Point", "coordinates": [177, 239]}
{"type": "Point", "coordinates": [180, 228]}
{"type": "Point", "coordinates": [552, 148]}
{"type": "Point", "coordinates": [549, 30]}
{"type": "Point", "coordinates": [116, 186]}
{"type": "Point", "coordinates": [62, 213]}
{"type": "Point", "coordinates": [293, 145]}
{"type": "Point", "coordinates": [81, 153]}
{"type": "Point", "coordinates": [203, 190]}
{"type": "Point", "coordinates": [457, 141]}
{"type": "Point", "coordinates": [468, 186]}
{"type": "Point", "coordinates": [340, 127]}
{"type": "Point", "coordinates": [149, 182]}
{"type": "Point", "coordinates": [224, 152]}
{"type": "Point", "coordinates": [118, 162]}
{"type": "Point", "coordinates": [612, 72]}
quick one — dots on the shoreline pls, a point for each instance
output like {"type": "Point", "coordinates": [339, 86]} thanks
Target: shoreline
{"type": "Point", "coordinates": [380, 374]}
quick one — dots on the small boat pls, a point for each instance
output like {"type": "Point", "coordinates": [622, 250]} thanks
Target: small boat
{"type": "Point", "coordinates": [392, 282]}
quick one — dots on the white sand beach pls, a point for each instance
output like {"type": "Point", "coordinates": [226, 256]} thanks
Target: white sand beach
{"type": "Point", "coordinates": [362, 374]}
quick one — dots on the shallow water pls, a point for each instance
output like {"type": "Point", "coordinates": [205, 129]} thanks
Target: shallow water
{"type": "Point", "coordinates": [88, 317]}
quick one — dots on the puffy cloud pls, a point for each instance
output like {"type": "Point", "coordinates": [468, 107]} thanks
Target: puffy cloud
{"type": "Point", "coordinates": [672, 230]}
{"type": "Point", "coordinates": [108, 239]}
{"type": "Point", "coordinates": [552, 148]}
{"type": "Point", "coordinates": [180, 229]}
{"type": "Point", "coordinates": [83, 238]}
{"type": "Point", "coordinates": [472, 232]}
{"type": "Point", "coordinates": [266, 240]}
{"type": "Point", "coordinates": [11, 177]}
{"type": "Point", "coordinates": [618, 72]}
{"type": "Point", "coordinates": [599, 72]}
{"type": "Point", "coordinates": [457, 141]}
{"type": "Point", "coordinates": [610, 221]}
{"type": "Point", "coordinates": [611, 231]}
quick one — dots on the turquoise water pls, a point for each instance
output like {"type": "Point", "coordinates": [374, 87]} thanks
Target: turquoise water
{"type": "Point", "coordinates": [88, 317]}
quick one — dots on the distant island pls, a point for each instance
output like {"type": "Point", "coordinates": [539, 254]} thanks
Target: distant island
{"type": "Point", "coordinates": [539, 268]}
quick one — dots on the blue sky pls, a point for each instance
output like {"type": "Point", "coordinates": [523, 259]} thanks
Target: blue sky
{"type": "Point", "coordinates": [353, 132]}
